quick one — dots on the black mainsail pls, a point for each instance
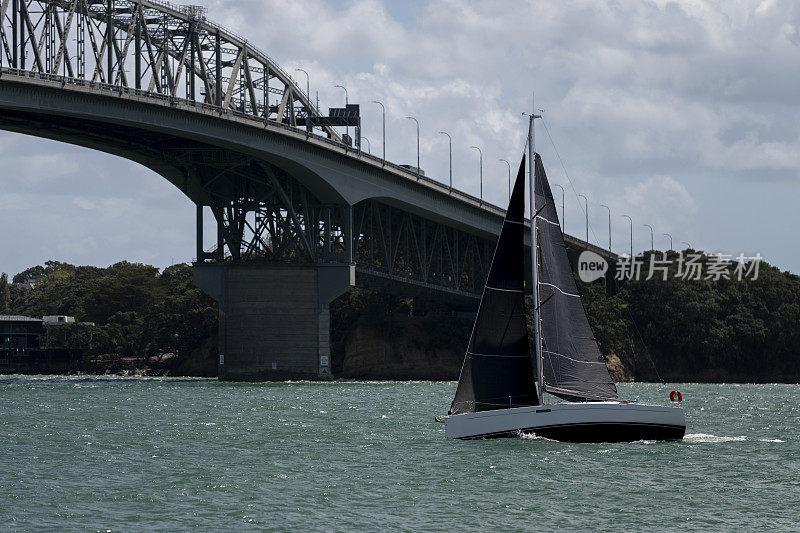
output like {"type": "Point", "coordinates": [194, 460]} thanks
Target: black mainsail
{"type": "Point", "coordinates": [573, 367]}
{"type": "Point", "coordinates": [498, 370]}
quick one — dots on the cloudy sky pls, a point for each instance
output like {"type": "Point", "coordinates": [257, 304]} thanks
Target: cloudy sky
{"type": "Point", "coordinates": [682, 114]}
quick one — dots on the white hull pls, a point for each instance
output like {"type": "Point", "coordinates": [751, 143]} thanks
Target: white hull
{"type": "Point", "coordinates": [575, 422]}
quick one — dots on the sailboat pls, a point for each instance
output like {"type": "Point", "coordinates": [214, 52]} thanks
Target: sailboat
{"type": "Point", "coordinates": [502, 387]}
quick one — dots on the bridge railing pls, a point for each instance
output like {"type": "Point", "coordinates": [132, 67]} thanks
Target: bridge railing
{"type": "Point", "coordinates": [221, 111]}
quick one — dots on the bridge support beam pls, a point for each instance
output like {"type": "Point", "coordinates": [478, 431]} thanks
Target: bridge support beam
{"type": "Point", "coordinates": [274, 320]}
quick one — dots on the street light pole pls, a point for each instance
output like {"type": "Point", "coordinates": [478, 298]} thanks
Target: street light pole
{"type": "Point", "coordinates": [481, 165]}
{"type": "Point", "coordinates": [346, 102]}
{"type": "Point", "coordinates": [586, 211]}
{"type": "Point", "coordinates": [509, 176]}
{"type": "Point", "coordinates": [417, 122]}
{"type": "Point", "coordinates": [369, 145]}
{"type": "Point", "coordinates": [346, 97]}
{"type": "Point", "coordinates": [451, 157]}
{"type": "Point", "coordinates": [383, 112]}
{"type": "Point", "coordinates": [308, 83]}
{"type": "Point", "coordinates": [670, 240]}
{"type": "Point", "coordinates": [609, 225]}
{"type": "Point", "coordinates": [631, 221]}
{"type": "Point", "coordinates": [688, 245]}
{"type": "Point", "coordinates": [652, 246]}
{"type": "Point", "coordinates": [309, 127]}
{"type": "Point", "coordinates": [563, 220]}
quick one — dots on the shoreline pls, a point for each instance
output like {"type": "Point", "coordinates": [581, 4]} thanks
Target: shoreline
{"type": "Point", "coordinates": [145, 374]}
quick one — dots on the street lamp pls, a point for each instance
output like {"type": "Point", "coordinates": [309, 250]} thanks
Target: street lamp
{"type": "Point", "coordinates": [308, 83]}
{"type": "Point", "coordinates": [481, 165]}
{"type": "Point", "coordinates": [688, 244]}
{"type": "Point", "coordinates": [631, 221]}
{"type": "Point", "coordinates": [346, 98]}
{"type": "Point", "coordinates": [509, 176]}
{"type": "Point", "coordinates": [346, 102]}
{"type": "Point", "coordinates": [563, 222]}
{"type": "Point", "coordinates": [670, 240]}
{"type": "Point", "coordinates": [417, 122]}
{"type": "Point", "coordinates": [383, 109]}
{"type": "Point", "coordinates": [586, 211]}
{"type": "Point", "coordinates": [451, 157]}
{"type": "Point", "coordinates": [369, 144]}
{"type": "Point", "coordinates": [609, 225]}
{"type": "Point", "coordinates": [309, 127]}
{"type": "Point", "coordinates": [652, 246]}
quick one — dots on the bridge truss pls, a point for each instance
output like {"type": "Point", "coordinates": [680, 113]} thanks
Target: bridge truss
{"type": "Point", "coordinates": [152, 46]}
{"type": "Point", "coordinates": [274, 218]}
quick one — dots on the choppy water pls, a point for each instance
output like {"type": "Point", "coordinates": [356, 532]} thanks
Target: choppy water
{"type": "Point", "coordinates": [126, 454]}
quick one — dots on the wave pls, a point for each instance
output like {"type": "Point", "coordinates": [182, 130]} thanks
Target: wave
{"type": "Point", "coordinates": [531, 436]}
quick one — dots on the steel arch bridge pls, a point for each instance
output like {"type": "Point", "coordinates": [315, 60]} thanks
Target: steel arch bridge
{"type": "Point", "coordinates": [295, 205]}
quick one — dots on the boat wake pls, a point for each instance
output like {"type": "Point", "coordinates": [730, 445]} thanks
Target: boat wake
{"type": "Point", "coordinates": [714, 439]}
{"type": "Point", "coordinates": [700, 438]}
{"type": "Point", "coordinates": [707, 438]}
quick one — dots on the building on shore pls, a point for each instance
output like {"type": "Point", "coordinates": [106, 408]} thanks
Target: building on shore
{"type": "Point", "coordinates": [26, 346]}
{"type": "Point", "coordinates": [58, 320]}
{"type": "Point", "coordinates": [18, 336]}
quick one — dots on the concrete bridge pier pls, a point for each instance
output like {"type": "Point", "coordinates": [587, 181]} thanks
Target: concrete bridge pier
{"type": "Point", "coordinates": [274, 320]}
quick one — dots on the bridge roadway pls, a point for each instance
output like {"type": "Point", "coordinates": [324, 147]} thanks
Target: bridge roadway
{"type": "Point", "coordinates": [301, 217]}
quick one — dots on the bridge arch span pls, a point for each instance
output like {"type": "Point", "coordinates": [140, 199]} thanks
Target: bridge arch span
{"type": "Point", "coordinates": [167, 139]}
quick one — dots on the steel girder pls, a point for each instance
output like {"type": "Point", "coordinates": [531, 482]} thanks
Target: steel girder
{"type": "Point", "coordinates": [273, 217]}
{"type": "Point", "coordinates": [265, 214]}
{"type": "Point", "coordinates": [151, 46]}
{"type": "Point", "coordinates": [393, 243]}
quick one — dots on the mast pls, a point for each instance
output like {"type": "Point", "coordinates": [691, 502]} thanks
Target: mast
{"type": "Point", "coordinates": [534, 260]}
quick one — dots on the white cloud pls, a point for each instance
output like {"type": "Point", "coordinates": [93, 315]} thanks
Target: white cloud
{"type": "Point", "coordinates": [646, 100]}
{"type": "Point", "coordinates": [662, 193]}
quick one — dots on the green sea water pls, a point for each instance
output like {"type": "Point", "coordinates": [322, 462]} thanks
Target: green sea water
{"type": "Point", "coordinates": [122, 454]}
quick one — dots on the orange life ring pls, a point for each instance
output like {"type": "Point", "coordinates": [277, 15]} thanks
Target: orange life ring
{"type": "Point", "coordinates": [673, 394]}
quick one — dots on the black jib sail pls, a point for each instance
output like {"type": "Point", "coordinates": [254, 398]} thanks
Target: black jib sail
{"type": "Point", "coordinates": [498, 370]}
{"type": "Point", "coordinates": [573, 367]}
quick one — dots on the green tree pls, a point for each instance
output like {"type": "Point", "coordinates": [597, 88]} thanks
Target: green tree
{"type": "Point", "coordinates": [5, 295]}
{"type": "Point", "coordinates": [30, 273]}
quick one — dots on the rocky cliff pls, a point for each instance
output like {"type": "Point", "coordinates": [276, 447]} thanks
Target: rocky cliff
{"type": "Point", "coordinates": [430, 348]}
{"type": "Point", "coordinates": [406, 348]}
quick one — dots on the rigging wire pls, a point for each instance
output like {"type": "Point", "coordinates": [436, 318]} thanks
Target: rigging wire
{"type": "Point", "coordinates": [575, 192]}
{"type": "Point", "coordinates": [564, 169]}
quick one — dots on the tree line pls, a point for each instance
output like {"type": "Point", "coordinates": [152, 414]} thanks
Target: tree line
{"type": "Point", "coordinates": [141, 314]}
{"type": "Point", "coordinates": [672, 329]}
{"type": "Point", "coordinates": [709, 330]}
